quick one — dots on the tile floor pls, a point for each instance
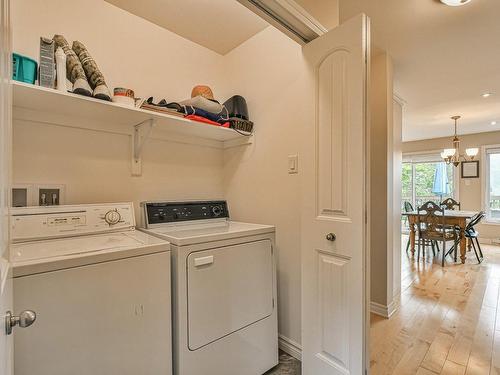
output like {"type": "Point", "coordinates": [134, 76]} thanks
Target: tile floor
{"type": "Point", "coordinates": [287, 366]}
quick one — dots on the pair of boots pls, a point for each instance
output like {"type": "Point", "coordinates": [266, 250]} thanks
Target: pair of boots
{"type": "Point", "coordinates": [82, 70]}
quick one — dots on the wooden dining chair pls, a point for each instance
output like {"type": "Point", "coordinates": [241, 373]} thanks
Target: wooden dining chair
{"type": "Point", "coordinates": [431, 226]}
{"type": "Point", "coordinates": [409, 208]}
{"type": "Point", "coordinates": [450, 204]}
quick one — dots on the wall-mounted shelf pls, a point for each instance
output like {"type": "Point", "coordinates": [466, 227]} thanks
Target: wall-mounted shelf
{"type": "Point", "coordinates": [35, 103]}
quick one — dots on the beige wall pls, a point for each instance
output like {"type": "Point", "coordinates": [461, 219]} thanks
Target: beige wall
{"type": "Point", "coordinates": [385, 151]}
{"type": "Point", "coordinates": [381, 106]}
{"type": "Point", "coordinates": [131, 52]}
{"type": "Point", "coordinates": [470, 190]}
{"type": "Point", "coordinates": [326, 12]}
{"type": "Point", "coordinates": [95, 166]}
{"type": "Point", "coordinates": [394, 223]}
{"type": "Point", "coordinates": [256, 178]}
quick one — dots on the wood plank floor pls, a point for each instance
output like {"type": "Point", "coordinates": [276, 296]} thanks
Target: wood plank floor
{"type": "Point", "coordinates": [448, 321]}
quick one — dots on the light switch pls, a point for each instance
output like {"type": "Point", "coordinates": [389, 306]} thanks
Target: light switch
{"type": "Point", "coordinates": [293, 164]}
{"type": "Point", "coordinates": [467, 182]}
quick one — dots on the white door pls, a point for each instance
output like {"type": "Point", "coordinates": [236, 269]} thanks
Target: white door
{"type": "Point", "coordinates": [6, 345]}
{"type": "Point", "coordinates": [334, 183]}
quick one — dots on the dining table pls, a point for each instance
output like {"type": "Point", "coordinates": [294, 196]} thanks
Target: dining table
{"type": "Point", "coordinates": [457, 218]}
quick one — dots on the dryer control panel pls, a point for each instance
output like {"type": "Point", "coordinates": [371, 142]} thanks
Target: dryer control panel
{"type": "Point", "coordinates": [171, 212]}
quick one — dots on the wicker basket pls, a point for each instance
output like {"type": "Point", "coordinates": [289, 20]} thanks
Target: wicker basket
{"type": "Point", "coordinates": [241, 125]}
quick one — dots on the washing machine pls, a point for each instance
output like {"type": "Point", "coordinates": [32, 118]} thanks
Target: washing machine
{"type": "Point", "coordinates": [223, 288]}
{"type": "Point", "coordinates": [100, 290]}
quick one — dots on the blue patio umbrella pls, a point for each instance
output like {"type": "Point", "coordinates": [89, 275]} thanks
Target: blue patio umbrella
{"type": "Point", "coordinates": [441, 184]}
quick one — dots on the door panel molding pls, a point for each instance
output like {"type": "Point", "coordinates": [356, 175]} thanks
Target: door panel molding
{"type": "Point", "coordinates": [332, 134]}
{"type": "Point", "coordinates": [334, 316]}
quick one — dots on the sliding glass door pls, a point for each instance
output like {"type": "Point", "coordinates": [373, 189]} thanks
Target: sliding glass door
{"type": "Point", "coordinates": [426, 180]}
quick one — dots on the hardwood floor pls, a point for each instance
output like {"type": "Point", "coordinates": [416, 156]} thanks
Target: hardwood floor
{"type": "Point", "coordinates": [448, 321]}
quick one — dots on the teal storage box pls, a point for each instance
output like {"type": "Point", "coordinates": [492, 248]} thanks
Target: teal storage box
{"type": "Point", "coordinates": [23, 69]}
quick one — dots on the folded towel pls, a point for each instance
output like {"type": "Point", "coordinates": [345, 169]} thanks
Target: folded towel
{"type": "Point", "coordinates": [207, 121]}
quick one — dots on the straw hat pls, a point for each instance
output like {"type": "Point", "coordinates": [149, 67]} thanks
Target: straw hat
{"type": "Point", "coordinates": [201, 90]}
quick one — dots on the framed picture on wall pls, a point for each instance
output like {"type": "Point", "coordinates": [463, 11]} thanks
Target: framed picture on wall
{"type": "Point", "coordinates": [470, 169]}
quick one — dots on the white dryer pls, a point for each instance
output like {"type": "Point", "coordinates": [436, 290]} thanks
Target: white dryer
{"type": "Point", "coordinates": [224, 288]}
{"type": "Point", "coordinates": [100, 289]}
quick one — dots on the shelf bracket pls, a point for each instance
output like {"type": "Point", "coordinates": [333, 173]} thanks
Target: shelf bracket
{"type": "Point", "coordinates": [141, 133]}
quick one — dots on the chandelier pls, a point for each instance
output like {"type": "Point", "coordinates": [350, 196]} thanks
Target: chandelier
{"type": "Point", "coordinates": [452, 155]}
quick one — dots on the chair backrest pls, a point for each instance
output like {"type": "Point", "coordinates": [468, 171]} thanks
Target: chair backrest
{"type": "Point", "coordinates": [430, 219]}
{"type": "Point", "coordinates": [408, 207]}
{"type": "Point", "coordinates": [450, 204]}
{"type": "Point", "coordinates": [475, 220]}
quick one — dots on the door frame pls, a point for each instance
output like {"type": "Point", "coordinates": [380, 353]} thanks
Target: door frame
{"type": "Point", "coordinates": [367, 274]}
{"type": "Point", "coordinates": [6, 342]}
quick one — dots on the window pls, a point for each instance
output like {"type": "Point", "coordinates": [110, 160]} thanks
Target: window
{"type": "Point", "coordinates": [492, 183]}
{"type": "Point", "coordinates": [418, 176]}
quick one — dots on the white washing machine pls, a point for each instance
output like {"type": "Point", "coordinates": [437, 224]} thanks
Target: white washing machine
{"type": "Point", "coordinates": [100, 289]}
{"type": "Point", "coordinates": [223, 288]}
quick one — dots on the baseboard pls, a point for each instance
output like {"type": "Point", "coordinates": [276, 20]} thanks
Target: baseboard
{"type": "Point", "coordinates": [488, 241]}
{"type": "Point", "coordinates": [385, 310]}
{"type": "Point", "coordinates": [290, 347]}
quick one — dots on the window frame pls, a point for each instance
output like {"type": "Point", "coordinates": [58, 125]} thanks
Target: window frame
{"type": "Point", "coordinates": [485, 181]}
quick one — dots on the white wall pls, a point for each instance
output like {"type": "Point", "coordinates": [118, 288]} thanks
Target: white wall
{"type": "Point", "coordinates": [131, 52]}
{"type": "Point", "coordinates": [267, 69]}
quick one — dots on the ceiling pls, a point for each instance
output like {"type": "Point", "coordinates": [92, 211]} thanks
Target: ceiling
{"type": "Point", "coordinates": [221, 24]}
{"type": "Point", "coordinates": [444, 59]}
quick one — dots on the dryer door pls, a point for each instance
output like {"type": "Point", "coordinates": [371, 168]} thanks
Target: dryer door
{"type": "Point", "coordinates": [229, 288]}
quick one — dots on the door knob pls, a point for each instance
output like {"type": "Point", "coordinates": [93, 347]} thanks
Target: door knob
{"type": "Point", "coordinates": [23, 320]}
{"type": "Point", "coordinates": [331, 237]}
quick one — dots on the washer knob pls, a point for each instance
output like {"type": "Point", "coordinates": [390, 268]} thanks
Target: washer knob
{"type": "Point", "coordinates": [112, 217]}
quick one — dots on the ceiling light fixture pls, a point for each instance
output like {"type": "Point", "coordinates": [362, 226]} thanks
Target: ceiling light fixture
{"type": "Point", "coordinates": [452, 155]}
{"type": "Point", "coordinates": [487, 94]}
{"type": "Point", "coordinates": [455, 3]}
{"type": "Point", "coordinates": [493, 123]}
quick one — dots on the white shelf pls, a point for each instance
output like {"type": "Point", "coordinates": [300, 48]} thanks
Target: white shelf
{"type": "Point", "coordinates": [49, 103]}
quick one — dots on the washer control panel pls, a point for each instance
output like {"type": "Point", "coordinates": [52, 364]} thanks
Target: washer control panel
{"type": "Point", "coordinates": [171, 212]}
{"type": "Point", "coordinates": [59, 221]}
